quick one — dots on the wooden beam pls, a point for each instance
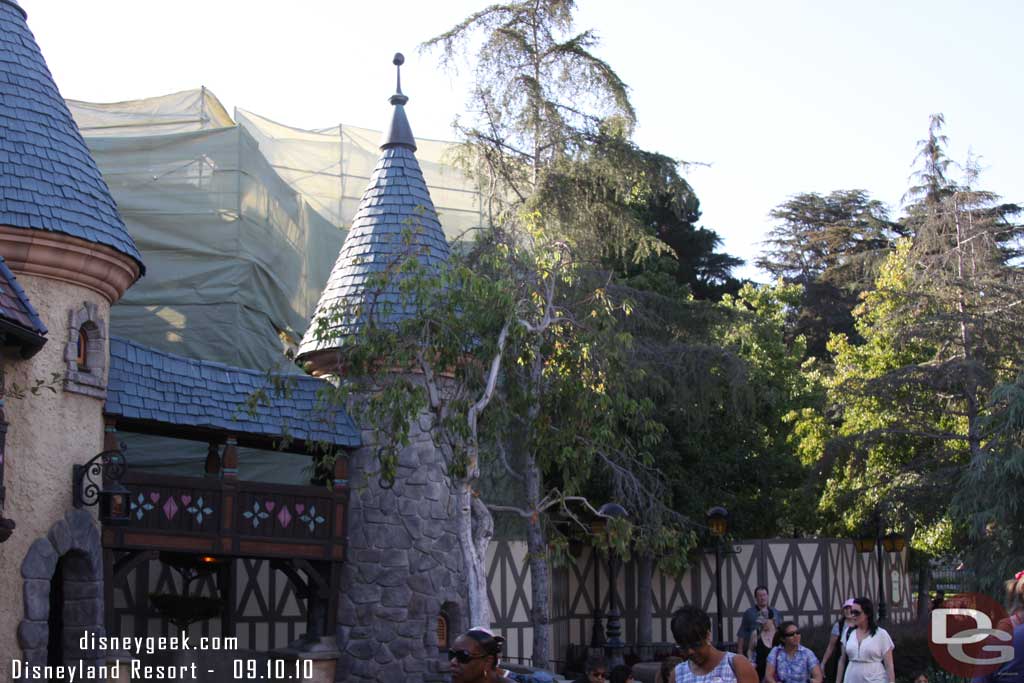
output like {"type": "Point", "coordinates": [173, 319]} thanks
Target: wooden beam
{"type": "Point", "coordinates": [229, 463]}
{"type": "Point", "coordinates": [289, 570]}
{"type": "Point", "coordinates": [213, 459]}
{"type": "Point", "coordinates": [131, 560]}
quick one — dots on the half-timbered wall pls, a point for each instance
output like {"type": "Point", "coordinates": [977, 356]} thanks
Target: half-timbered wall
{"type": "Point", "coordinates": [267, 613]}
{"type": "Point", "coordinates": [807, 581]}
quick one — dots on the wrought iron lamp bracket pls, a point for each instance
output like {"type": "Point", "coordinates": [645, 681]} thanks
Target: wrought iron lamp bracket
{"type": "Point", "coordinates": [88, 479]}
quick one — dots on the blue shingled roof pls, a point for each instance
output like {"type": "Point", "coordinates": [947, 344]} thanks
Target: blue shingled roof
{"type": "Point", "coordinates": [396, 201]}
{"type": "Point", "coordinates": [48, 179]}
{"type": "Point", "coordinates": [146, 384]}
{"type": "Point", "coordinates": [14, 304]}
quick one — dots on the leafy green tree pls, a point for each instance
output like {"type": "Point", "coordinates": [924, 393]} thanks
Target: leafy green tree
{"type": "Point", "coordinates": [907, 404]}
{"type": "Point", "coordinates": [886, 445]}
{"type": "Point", "coordinates": [550, 143]}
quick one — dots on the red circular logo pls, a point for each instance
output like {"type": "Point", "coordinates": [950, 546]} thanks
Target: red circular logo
{"type": "Point", "coordinates": [964, 638]}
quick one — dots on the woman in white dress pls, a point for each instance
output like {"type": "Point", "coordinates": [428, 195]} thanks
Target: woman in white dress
{"type": "Point", "coordinates": [866, 649]}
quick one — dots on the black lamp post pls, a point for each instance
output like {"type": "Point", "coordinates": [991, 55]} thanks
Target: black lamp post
{"type": "Point", "coordinates": [890, 543]}
{"type": "Point", "coordinates": [718, 524]}
{"type": "Point", "coordinates": [614, 645]}
{"type": "Point", "coordinates": [98, 482]}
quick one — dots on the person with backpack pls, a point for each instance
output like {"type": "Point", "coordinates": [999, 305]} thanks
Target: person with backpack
{"type": "Point", "coordinates": [844, 622]}
{"type": "Point", "coordinates": [867, 648]}
{"type": "Point", "coordinates": [702, 661]}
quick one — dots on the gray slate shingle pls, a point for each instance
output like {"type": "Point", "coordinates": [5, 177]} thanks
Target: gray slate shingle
{"type": "Point", "coordinates": [14, 304]}
{"type": "Point", "coordinates": [395, 201]}
{"type": "Point", "coordinates": [15, 308]}
{"type": "Point", "coordinates": [48, 179]}
{"type": "Point", "coordinates": [148, 384]}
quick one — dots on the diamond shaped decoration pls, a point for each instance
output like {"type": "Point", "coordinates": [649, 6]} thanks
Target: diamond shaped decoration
{"type": "Point", "coordinates": [284, 517]}
{"type": "Point", "coordinates": [170, 507]}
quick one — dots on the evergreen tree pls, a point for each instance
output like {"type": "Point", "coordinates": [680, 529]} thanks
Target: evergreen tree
{"type": "Point", "coordinates": [832, 246]}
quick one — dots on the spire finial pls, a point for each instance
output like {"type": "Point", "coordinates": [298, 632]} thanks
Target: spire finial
{"type": "Point", "coordinates": [398, 97]}
{"type": "Point", "coordinates": [398, 133]}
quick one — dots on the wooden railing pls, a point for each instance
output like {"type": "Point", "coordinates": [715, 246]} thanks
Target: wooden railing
{"type": "Point", "coordinates": [232, 517]}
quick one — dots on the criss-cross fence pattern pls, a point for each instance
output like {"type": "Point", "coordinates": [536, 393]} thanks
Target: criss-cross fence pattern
{"type": "Point", "coordinates": [807, 580]}
{"type": "Point", "coordinates": [266, 612]}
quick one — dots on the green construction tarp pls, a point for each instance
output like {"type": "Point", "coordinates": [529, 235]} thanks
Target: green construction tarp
{"type": "Point", "coordinates": [239, 224]}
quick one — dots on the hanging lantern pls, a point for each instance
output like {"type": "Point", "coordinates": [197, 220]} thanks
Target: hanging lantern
{"type": "Point", "coordinates": [894, 543]}
{"type": "Point", "coordinates": [864, 544]}
{"type": "Point", "coordinates": [718, 521]}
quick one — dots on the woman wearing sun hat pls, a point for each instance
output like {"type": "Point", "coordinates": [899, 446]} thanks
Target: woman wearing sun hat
{"type": "Point", "coordinates": [838, 630]}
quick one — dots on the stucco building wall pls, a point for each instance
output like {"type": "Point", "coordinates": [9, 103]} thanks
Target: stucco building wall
{"type": "Point", "coordinates": [48, 433]}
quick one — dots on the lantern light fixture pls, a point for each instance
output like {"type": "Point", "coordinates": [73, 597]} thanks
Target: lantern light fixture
{"type": "Point", "coordinates": [98, 482]}
{"type": "Point", "coordinates": [718, 521]}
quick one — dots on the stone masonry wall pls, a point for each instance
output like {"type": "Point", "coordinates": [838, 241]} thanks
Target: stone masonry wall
{"type": "Point", "coordinates": [403, 564]}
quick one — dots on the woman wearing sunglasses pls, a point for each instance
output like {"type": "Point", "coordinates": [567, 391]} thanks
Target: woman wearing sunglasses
{"type": "Point", "coordinates": [473, 657]}
{"type": "Point", "coordinates": [702, 661]}
{"type": "Point", "coordinates": [789, 661]}
{"type": "Point", "coordinates": [867, 648]}
{"type": "Point", "coordinates": [844, 622]}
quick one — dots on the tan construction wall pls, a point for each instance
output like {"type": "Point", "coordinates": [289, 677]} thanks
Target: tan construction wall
{"type": "Point", "coordinates": [48, 433]}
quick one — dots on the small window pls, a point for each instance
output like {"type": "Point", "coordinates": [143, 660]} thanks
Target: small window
{"type": "Point", "coordinates": [85, 352]}
{"type": "Point", "coordinates": [83, 349]}
{"type": "Point", "coordinates": [442, 632]}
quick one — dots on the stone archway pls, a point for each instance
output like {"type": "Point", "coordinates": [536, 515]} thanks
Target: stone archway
{"type": "Point", "coordinates": [75, 541]}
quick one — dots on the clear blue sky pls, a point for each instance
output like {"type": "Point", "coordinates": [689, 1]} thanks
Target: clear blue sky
{"type": "Point", "coordinates": [777, 97]}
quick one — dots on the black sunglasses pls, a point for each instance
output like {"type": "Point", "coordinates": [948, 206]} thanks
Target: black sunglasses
{"type": "Point", "coordinates": [463, 656]}
{"type": "Point", "coordinates": [691, 646]}
{"type": "Point", "coordinates": [599, 674]}
{"type": "Point", "coordinates": [791, 634]}
{"type": "Point", "coordinates": [855, 613]}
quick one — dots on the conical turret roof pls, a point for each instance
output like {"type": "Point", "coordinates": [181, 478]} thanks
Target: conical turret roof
{"type": "Point", "coordinates": [396, 218]}
{"type": "Point", "coordinates": [48, 179]}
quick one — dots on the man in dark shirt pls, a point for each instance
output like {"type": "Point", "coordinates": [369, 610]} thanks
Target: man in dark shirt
{"type": "Point", "coordinates": [754, 617]}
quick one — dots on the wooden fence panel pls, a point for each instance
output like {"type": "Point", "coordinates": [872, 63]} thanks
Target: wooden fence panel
{"type": "Point", "coordinates": [807, 580]}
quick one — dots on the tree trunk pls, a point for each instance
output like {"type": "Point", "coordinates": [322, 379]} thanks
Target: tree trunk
{"type": "Point", "coordinates": [645, 601]}
{"type": "Point", "coordinates": [539, 576]}
{"type": "Point", "coordinates": [475, 527]}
